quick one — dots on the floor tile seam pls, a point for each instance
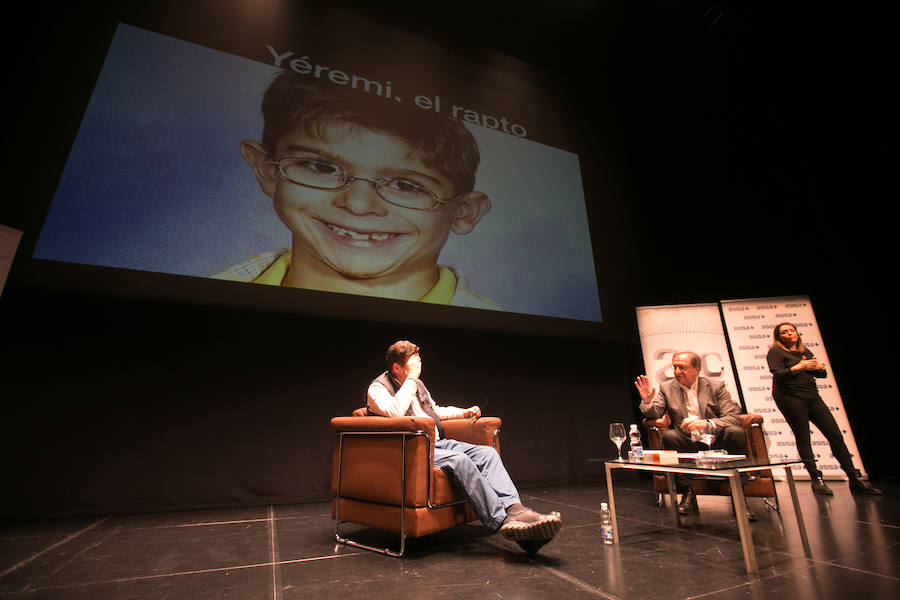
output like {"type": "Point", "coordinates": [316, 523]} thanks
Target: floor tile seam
{"type": "Point", "coordinates": [778, 513]}
{"type": "Point", "coordinates": [295, 561]}
{"type": "Point", "coordinates": [82, 584]}
{"type": "Point", "coordinates": [213, 523]}
{"type": "Point", "coordinates": [70, 560]}
{"type": "Point", "coordinates": [738, 543]}
{"type": "Point", "coordinates": [827, 563]}
{"type": "Point", "coordinates": [53, 546]}
{"type": "Point", "coordinates": [575, 506]}
{"type": "Point", "coordinates": [809, 512]}
{"type": "Point", "coordinates": [273, 553]}
{"type": "Point", "coordinates": [561, 503]}
{"type": "Point", "coordinates": [677, 529]}
{"type": "Point", "coordinates": [597, 591]}
{"type": "Point", "coordinates": [581, 526]}
{"type": "Point", "coordinates": [597, 509]}
{"type": "Point", "coordinates": [264, 519]}
{"type": "Point", "coordinates": [783, 505]}
{"type": "Point", "coordinates": [650, 523]}
{"type": "Point", "coordinates": [555, 572]}
{"type": "Point", "coordinates": [834, 518]}
{"type": "Point", "coordinates": [188, 525]}
{"type": "Point", "coordinates": [188, 573]}
{"type": "Point", "coordinates": [831, 563]}
{"type": "Point", "coordinates": [580, 584]}
{"type": "Point", "coordinates": [731, 588]}
{"type": "Point", "coordinates": [761, 579]}
{"type": "Point", "coordinates": [324, 515]}
{"type": "Point", "coordinates": [700, 534]}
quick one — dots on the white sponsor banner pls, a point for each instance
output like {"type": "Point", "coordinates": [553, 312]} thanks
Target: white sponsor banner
{"type": "Point", "coordinates": [750, 325]}
{"type": "Point", "coordinates": [665, 330]}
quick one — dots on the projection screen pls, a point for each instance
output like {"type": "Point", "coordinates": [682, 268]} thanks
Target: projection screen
{"type": "Point", "coordinates": [159, 180]}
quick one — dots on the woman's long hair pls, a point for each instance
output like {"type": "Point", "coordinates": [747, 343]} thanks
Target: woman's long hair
{"type": "Point", "coordinates": [800, 347]}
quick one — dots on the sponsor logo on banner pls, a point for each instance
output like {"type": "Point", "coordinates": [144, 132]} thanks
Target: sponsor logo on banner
{"type": "Point", "coordinates": [750, 324]}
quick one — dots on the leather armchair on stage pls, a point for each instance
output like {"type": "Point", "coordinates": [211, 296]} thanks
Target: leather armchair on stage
{"type": "Point", "coordinates": [383, 464]}
{"type": "Point", "coordinates": [760, 484]}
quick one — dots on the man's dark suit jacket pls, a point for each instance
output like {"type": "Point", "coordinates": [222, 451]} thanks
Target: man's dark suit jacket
{"type": "Point", "coordinates": [712, 396]}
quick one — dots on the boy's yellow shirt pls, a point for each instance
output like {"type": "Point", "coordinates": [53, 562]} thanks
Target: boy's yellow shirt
{"type": "Point", "coordinates": [270, 268]}
{"type": "Point", "coordinates": [441, 293]}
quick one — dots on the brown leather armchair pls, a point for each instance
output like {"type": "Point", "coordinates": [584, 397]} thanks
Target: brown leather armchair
{"type": "Point", "coordinates": [760, 484]}
{"type": "Point", "coordinates": [384, 463]}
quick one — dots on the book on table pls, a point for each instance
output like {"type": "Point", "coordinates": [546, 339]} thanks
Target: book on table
{"type": "Point", "coordinates": [662, 457]}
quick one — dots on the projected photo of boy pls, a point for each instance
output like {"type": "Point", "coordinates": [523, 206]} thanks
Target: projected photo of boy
{"type": "Point", "coordinates": [370, 191]}
{"type": "Point", "coordinates": [335, 188]}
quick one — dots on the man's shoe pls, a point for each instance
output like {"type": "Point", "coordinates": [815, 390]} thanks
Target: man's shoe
{"type": "Point", "coordinates": [688, 502]}
{"type": "Point", "coordinates": [859, 486]}
{"type": "Point", "coordinates": [751, 516]}
{"type": "Point", "coordinates": [819, 487]}
{"type": "Point", "coordinates": [528, 525]}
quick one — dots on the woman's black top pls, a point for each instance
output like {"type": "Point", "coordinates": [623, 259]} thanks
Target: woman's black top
{"type": "Point", "coordinates": [787, 383]}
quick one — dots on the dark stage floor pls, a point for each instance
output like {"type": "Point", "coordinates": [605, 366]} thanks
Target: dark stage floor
{"type": "Point", "coordinates": [289, 552]}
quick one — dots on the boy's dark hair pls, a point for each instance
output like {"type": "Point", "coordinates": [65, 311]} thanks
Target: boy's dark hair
{"type": "Point", "coordinates": [399, 353]}
{"type": "Point", "coordinates": [297, 102]}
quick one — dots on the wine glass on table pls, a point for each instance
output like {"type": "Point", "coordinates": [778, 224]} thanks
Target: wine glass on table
{"type": "Point", "coordinates": [617, 435]}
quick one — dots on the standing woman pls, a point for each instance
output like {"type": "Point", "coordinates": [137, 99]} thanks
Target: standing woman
{"type": "Point", "coordinates": [794, 372]}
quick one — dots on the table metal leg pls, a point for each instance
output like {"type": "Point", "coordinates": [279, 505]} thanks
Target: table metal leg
{"type": "Point", "coordinates": [800, 524]}
{"type": "Point", "coordinates": [673, 496]}
{"type": "Point", "coordinates": [740, 513]}
{"type": "Point", "coordinates": [612, 504]}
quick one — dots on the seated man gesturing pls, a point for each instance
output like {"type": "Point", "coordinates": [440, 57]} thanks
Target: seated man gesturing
{"type": "Point", "coordinates": [476, 470]}
{"type": "Point", "coordinates": [693, 403]}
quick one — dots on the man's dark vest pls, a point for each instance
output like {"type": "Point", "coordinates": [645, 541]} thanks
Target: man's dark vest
{"type": "Point", "coordinates": [422, 394]}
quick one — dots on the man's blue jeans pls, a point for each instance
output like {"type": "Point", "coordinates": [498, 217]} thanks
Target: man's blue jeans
{"type": "Point", "coordinates": [479, 473]}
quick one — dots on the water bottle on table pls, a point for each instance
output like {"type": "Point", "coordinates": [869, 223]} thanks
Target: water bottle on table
{"type": "Point", "coordinates": [634, 438]}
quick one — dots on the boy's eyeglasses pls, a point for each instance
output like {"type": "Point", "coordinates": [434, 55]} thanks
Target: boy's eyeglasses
{"type": "Point", "coordinates": [323, 175]}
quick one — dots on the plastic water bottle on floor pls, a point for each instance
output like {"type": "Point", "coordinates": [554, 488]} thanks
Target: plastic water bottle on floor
{"type": "Point", "coordinates": [606, 531]}
{"type": "Point", "coordinates": [634, 438]}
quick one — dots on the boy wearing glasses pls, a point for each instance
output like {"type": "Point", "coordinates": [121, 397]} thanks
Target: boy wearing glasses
{"type": "Point", "coordinates": [369, 189]}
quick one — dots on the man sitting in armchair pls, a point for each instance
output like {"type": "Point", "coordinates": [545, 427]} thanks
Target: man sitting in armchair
{"type": "Point", "coordinates": [693, 403]}
{"type": "Point", "coordinates": [476, 470]}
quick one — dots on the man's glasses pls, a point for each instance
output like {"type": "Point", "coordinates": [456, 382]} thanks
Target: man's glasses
{"type": "Point", "coordinates": [323, 175]}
